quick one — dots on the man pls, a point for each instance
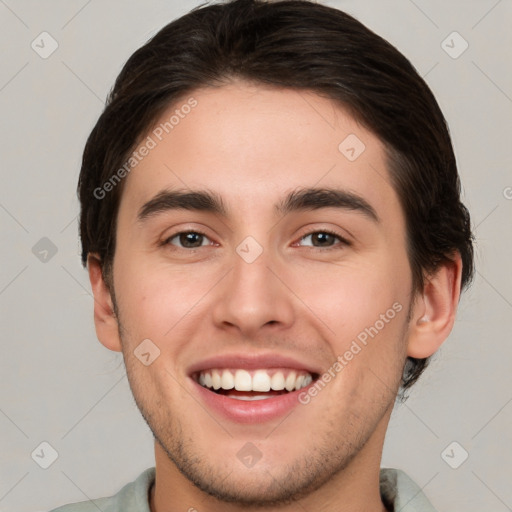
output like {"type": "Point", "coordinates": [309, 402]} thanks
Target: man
{"type": "Point", "coordinates": [275, 241]}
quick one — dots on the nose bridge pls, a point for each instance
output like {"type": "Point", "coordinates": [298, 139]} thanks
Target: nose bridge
{"type": "Point", "coordinates": [251, 273]}
{"type": "Point", "coordinates": [252, 296]}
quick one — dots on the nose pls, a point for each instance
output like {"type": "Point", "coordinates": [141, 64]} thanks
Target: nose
{"type": "Point", "coordinates": [254, 296]}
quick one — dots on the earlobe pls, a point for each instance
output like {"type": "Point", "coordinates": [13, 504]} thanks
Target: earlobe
{"type": "Point", "coordinates": [105, 321]}
{"type": "Point", "coordinates": [434, 310]}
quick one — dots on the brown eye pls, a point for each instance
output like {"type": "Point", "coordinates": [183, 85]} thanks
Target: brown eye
{"type": "Point", "coordinates": [320, 239]}
{"type": "Point", "coordinates": [189, 240]}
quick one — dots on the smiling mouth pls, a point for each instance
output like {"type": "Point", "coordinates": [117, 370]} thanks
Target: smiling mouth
{"type": "Point", "coordinates": [252, 385]}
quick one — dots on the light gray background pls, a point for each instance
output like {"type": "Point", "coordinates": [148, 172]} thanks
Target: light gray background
{"type": "Point", "coordinates": [61, 386]}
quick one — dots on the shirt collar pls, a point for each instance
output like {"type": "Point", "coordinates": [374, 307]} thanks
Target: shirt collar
{"type": "Point", "coordinates": [398, 489]}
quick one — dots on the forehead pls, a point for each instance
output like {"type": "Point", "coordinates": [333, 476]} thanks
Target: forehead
{"type": "Point", "coordinates": [249, 142]}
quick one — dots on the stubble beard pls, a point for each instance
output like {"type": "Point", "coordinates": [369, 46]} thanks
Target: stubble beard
{"type": "Point", "coordinates": [331, 453]}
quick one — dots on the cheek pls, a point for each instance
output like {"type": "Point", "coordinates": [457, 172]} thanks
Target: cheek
{"type": "Point", "coordinates": [348, 299]}
{"type": "Point", "coordinates": [154, 299]}
{"type": "Point", "coordinates": [365, 308]}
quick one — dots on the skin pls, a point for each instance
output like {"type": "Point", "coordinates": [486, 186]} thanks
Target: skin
{"type": "Point", "coordinates": [252, 145]}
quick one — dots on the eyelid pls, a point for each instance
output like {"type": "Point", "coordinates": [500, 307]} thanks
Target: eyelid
{"type": "Point", "coordinates": [342, 239]}
{"type": "Point", "coordinates": [166, 240]}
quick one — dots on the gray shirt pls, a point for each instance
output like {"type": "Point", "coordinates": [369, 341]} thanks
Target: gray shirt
{"type": "Point", "coordinates": [395, 486]}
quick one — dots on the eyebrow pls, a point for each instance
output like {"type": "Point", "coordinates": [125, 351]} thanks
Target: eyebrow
{"type": "Point", "coordinates": [316, 198]}
{"type": "Point", "coordinates": [200, 200]}
{"type": "Point", "coordinates": [300, 199]}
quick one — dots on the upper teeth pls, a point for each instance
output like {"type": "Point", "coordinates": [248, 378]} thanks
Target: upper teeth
{"type": "Point", "coordinates": [258, 380]}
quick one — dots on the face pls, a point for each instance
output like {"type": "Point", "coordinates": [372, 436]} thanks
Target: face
{"type": "Point", "coordinates": [261, 249]}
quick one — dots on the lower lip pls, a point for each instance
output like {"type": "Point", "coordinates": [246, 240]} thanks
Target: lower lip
{"type": "Point", "coordinates": [250, 411]}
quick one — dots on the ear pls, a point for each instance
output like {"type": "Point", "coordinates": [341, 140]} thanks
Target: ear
{"type": "Point", "coordinates": [107, 329]}
{"type": "Point", "coordinates": [434, 309]}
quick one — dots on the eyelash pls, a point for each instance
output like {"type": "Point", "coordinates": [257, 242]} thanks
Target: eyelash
{"type": "Point", "coordinates": [167, 241]}
{"type": "Point", "coordinates": [341, 241]}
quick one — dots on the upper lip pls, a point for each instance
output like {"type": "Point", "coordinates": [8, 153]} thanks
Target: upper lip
{"type": "Point", "coordinates": [246, 361]}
